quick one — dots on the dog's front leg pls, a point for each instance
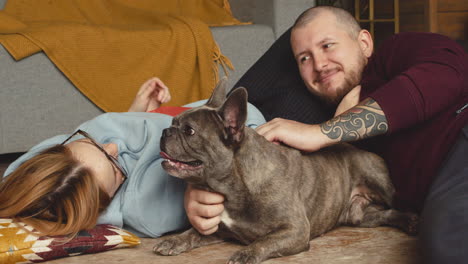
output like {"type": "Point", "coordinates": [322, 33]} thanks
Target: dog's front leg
{"type": "Point", "coordinates": [175, 244]}
{"type": "Point", "coordinates": [286, 241]}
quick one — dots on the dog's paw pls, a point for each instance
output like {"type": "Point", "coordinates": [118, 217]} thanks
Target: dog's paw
{"type": "Point", "coordinates": [244, 257]}
{"type": "Point", "coordinates": [170, 246]}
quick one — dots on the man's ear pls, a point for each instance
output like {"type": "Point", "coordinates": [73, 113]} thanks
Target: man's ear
{"type": "Point", "coordinates": [219, 94]}
{"type": "Point", "coordinates": [366, 43]}
{"type": "Point", "coordinates": [234, 114]}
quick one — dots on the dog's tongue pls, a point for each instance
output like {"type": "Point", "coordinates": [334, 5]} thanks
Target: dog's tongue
{"type": "Point", "coordinates": [165, 156]}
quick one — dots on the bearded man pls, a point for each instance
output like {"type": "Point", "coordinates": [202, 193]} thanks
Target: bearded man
{"type": "Point", "coordinates": [407, 102]}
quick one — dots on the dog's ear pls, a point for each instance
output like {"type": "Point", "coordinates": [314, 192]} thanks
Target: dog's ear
{"type": "Point", "coordinates": [234, 113]}
{"type": "Point", "coordinates": [219, 94]}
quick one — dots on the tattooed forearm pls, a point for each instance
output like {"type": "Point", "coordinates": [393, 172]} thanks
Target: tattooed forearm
{"type": "Point", "coordinates": [362, 121]}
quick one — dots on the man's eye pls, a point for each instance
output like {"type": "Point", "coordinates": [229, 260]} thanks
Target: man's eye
{"type": "Point", "coordinates": [328, 45]}
{"type": "Point", "coordinates": [304, 59]}
{"type": "Point", "coordinates": [189, 131]}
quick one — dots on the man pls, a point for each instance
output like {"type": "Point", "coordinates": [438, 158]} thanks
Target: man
{"type": "Point", "coordinates": [407, 102]}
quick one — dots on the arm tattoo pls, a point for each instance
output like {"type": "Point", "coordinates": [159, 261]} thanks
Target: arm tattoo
{"type": "Point", "coordinates": [362, 121]}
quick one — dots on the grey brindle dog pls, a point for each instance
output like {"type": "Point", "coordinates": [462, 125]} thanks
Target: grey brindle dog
{"type": "Point", "coordinates": [276, 198]}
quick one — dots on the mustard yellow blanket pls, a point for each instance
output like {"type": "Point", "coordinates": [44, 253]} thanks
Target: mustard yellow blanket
{"type": "Point", "coordinates": [107, 48]}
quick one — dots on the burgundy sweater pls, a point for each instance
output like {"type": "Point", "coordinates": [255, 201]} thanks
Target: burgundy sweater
{"type": "Point", "coordinates": [420, 80]}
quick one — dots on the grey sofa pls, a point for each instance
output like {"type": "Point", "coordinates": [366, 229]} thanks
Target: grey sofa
{"type": "Point", "coordinates": [37, 101]}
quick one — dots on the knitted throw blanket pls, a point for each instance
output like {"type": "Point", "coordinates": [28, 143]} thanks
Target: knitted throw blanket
{"type": "Point", "coordinates": [108, 48]}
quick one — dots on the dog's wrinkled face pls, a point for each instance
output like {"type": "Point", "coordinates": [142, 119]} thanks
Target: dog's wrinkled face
{"type": "Point", "coordinates": [186, 148]}
{"type": "Point", "coordinates": [200, 141]}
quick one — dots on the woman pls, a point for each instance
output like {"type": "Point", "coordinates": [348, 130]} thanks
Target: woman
{"type": "Point", "coordinates": [108, 171]}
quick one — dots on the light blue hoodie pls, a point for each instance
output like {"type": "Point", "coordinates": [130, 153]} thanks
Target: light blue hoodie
{"type": "Point", "coordinates": [150, 202]}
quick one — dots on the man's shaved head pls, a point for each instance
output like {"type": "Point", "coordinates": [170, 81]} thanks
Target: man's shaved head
{"type": "Point", "coordinates": [343, 18]}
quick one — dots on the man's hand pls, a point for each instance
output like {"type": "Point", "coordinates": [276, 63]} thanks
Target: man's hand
{"type": "Point", "coordinates": [366, 119]}
{"type": "Point", "coordinates": [150, 96]}
{"type": "Point", "coordinates": [294, 134]}
{"type": "Point", "coordinates": [203, 209]}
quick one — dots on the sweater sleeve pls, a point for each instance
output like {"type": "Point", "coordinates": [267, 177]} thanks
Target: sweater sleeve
{"type": "Point", "coordinates": [424, 74]}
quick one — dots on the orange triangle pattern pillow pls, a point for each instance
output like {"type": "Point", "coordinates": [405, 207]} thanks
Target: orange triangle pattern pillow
{"type": "Point", "coordinates": [19, 246]}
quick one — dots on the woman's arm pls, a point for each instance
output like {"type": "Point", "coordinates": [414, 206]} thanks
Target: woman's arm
{"type": "Point", "coordinates": [150, 96]}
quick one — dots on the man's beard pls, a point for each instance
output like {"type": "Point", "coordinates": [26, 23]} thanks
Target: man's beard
{"type": "Point", "coordinates": [350, 81]}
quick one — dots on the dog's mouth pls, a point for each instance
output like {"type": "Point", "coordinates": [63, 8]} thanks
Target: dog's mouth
{"type": "Point", "coordinates": [181, 165]}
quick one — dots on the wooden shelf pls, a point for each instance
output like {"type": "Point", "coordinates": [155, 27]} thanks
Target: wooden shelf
{"type": "Point", "coordinates": [372, 20]}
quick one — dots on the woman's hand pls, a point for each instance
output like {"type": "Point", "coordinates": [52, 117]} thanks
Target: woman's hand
{"type": "Point", "coordinates": [203, 209]}
{"type": "Point", "coordinates": [150, 96]}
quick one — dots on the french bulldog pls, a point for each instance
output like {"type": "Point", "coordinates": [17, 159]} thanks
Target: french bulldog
{"type": "Point", "coordinates": [276, 198]}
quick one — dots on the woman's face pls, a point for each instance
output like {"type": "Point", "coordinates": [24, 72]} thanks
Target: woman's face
{"type": "Point", "coordinates": [108, 176]}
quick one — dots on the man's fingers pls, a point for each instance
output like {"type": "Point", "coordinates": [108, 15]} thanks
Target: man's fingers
{"type": "Point", "coordinates": [274, 130]}
{"type": "Point", "coordinates": [268, 126]}
{"type": "Point", "coordinates": [266, 130]}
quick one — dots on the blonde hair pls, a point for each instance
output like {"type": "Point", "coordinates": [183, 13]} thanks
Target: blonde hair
{"type": "Point", "coordinates": [53, 193]}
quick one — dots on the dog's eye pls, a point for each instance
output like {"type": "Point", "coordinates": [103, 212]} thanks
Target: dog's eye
{"type": "Point", "coordinates": [189, 131]}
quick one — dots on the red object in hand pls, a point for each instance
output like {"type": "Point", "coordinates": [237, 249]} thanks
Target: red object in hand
{"type": "Point", "coordinates": [170, 110]}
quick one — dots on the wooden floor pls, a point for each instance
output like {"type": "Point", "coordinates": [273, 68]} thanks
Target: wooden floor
{"type": "Point", "coordinates": [383, 245]}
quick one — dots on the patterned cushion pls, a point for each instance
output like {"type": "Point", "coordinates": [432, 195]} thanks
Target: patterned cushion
{"type": "Point", "coordinates": [19, 246]}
